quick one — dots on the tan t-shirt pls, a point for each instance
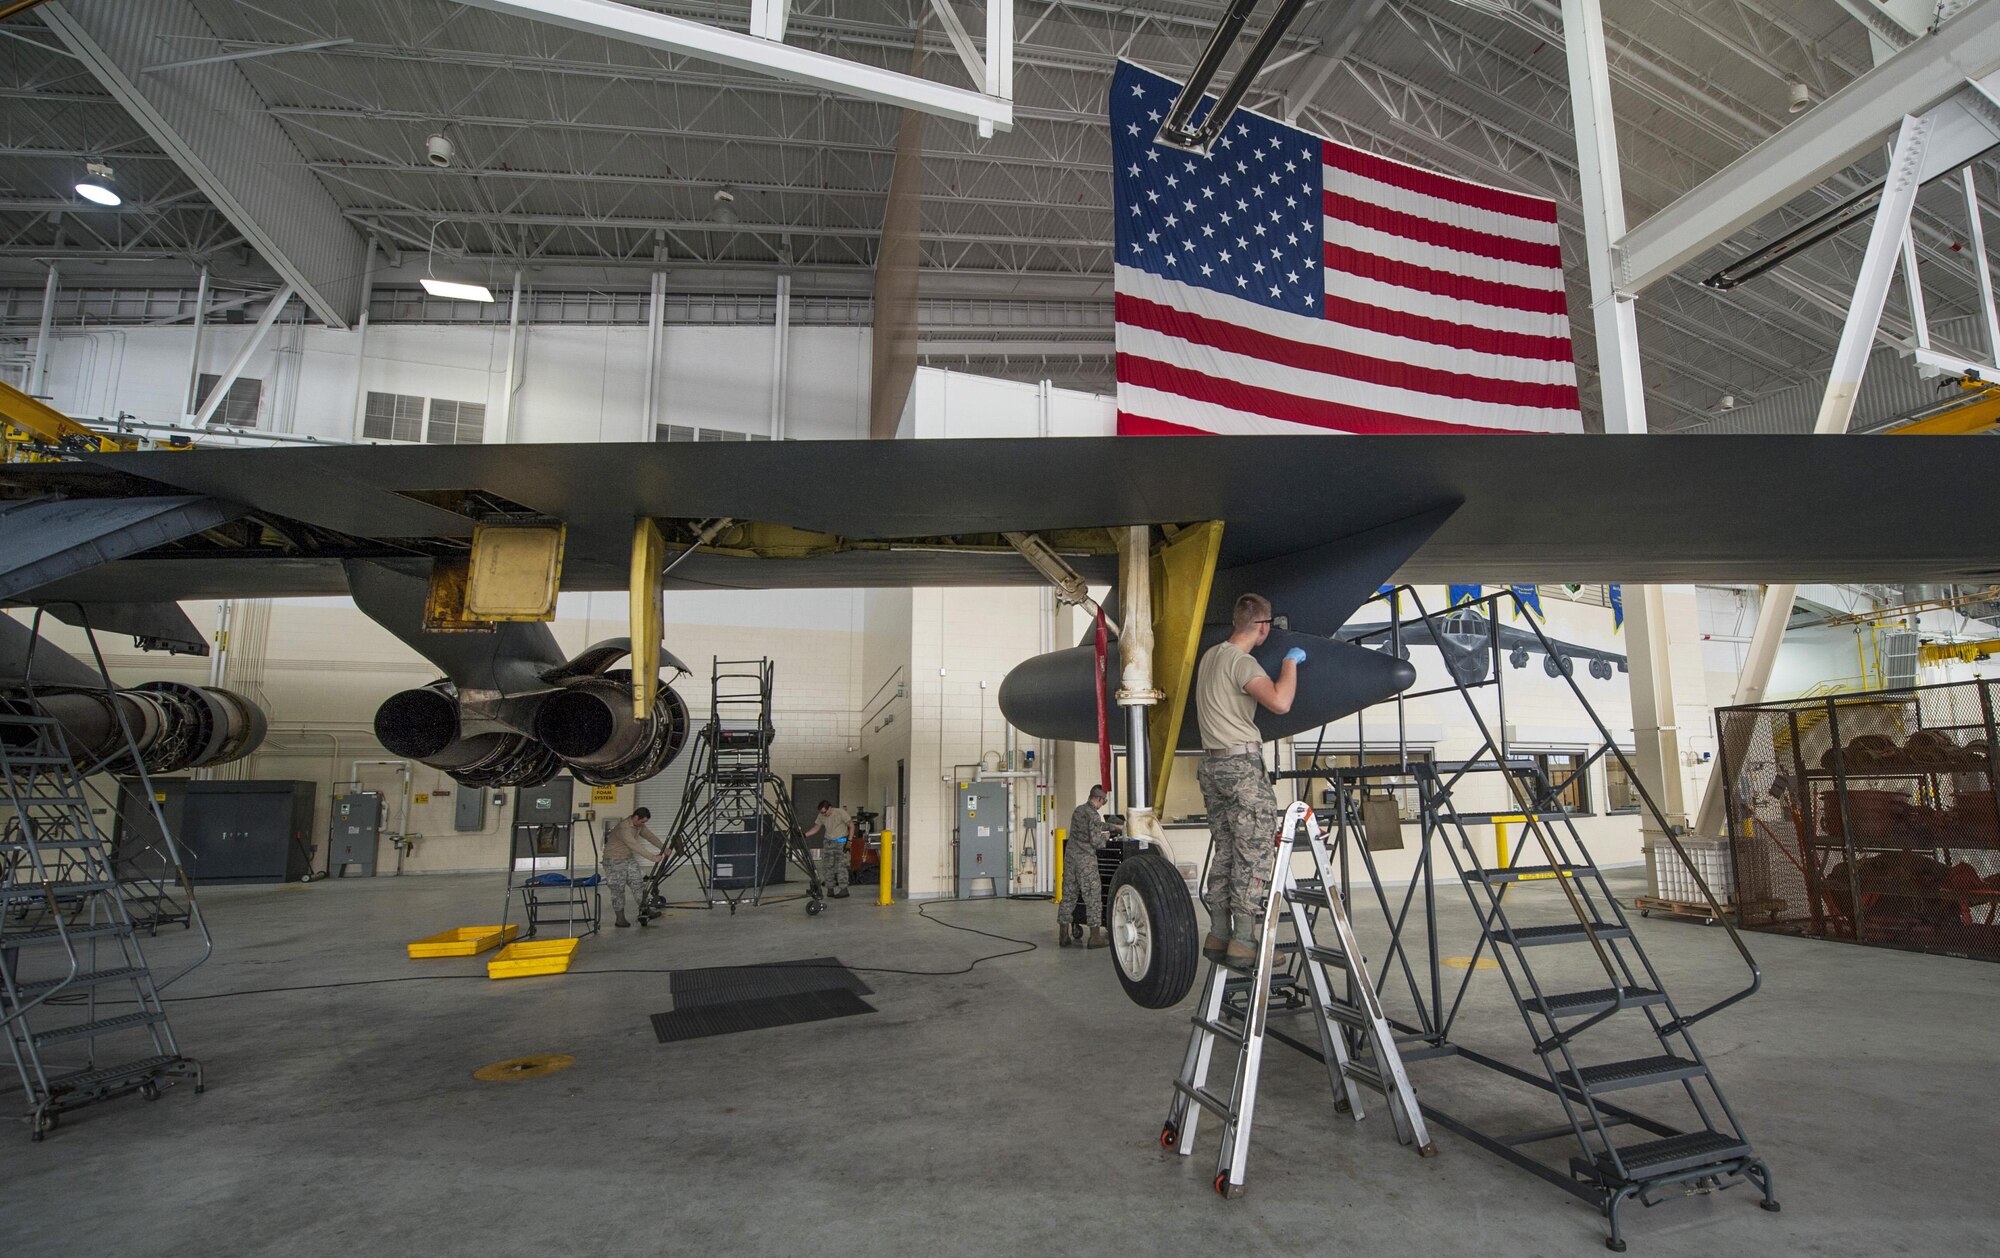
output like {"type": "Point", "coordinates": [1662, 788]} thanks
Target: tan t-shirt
{"type": "Point", "coordinates": [1227, 715]}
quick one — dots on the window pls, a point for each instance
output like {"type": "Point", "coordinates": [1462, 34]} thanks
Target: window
{"type": "Point", "coordinates": [1408, 805]}
{"type": "Point", "coordinates": [685, 432]}
{"type": "Point", "coordinates": [1571, 786]}
{"type": "Point", "coordinates": [393, 417]}
{"type": "Point", "coordinates": [239, 405]}
{"type": "Point", "coordinates": [456, 423]}
{"type": "Point", "coordinates": [1621, 793]}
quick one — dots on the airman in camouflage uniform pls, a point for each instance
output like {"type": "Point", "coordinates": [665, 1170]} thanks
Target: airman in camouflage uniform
{"type": "Point", "coordinates": [1081, 885]}
{"type": "Point", "coordinates": [1230, 686]}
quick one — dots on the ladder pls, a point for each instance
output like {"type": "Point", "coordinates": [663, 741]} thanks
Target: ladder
{"type": "Point", "coordinates": [732, 790]}
{"type": "Point", "coordinates": [1357, 1044]}
{"type": "Point", "coordinates": [1563, 1016]}
{"type": "Point", "coordinates": [69, 947]}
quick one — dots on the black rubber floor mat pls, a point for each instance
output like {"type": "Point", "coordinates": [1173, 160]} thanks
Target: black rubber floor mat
{"type": "Point", "coordinates": [728, 984]}
{"type": "Point", "coordinates": [757, 1015]}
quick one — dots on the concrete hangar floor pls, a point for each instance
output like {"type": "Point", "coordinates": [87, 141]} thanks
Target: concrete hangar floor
{"type": "Point", "coordinates": [1009, 1108]}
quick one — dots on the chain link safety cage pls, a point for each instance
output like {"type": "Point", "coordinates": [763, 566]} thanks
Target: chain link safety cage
{"type": "Point", "coordinates": [1868, 817]}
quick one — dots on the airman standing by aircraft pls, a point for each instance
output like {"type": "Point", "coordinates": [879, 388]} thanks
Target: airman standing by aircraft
{"type": "Point", "coordinates": [1087, 833]}
{"type": "Point", "coordinates": [624, 844]}
{"type": "Point", "coordinates": [1242, 809]}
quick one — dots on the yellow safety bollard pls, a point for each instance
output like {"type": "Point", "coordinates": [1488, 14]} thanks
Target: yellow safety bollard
{"type": "Point", "coordinates": [1500, 838]}
{"type": "Point", "coordinates": [885, 892]}
{"type": "Point", "coordinates": [1062, 836]}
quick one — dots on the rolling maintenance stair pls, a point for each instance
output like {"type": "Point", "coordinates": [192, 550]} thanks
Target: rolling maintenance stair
{"type": "Point", "coordinates": [1598, 1015]}
{"type": "Point", "coordinates": [1357, 1043]}
{"type": "Point", "coordinates": [79, 1006]}
{"type": "Point", "coordinates": [733, 801]}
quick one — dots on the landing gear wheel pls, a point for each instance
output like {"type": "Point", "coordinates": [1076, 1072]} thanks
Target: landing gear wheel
{"type": "Point", "coordinates": [1170, 1137]}
{"type": "Point", "coordinates": [150, 1089]}
{"type": "Point", "coordinates": [1154, 940]}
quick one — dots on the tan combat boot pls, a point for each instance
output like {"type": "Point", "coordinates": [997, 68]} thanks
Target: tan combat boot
{"type": "Point", "coordinates": [1098, 939]}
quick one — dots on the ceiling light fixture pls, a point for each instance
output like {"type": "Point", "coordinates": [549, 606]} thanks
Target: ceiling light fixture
{"type": "Point", "coordinates": [1801, 97]}
{"type": "Point", "coordinates": [96, 185]}
{"type": "Point", "coordinates": [724, 209]}
{"type": "Point", "coordinates": [452, 289]}
{"type": "Point", "coordinates": [456, 291]}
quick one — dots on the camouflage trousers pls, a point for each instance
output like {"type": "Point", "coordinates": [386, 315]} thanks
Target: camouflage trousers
{"type": "Point", "coordinates": [619, 875]}
{"type": "Point", "coordinates": [1242, 824]}
{"type": "Point", "coordinates": [1081, 885]}
{"type": "Point", "coordinates": [833, 870]}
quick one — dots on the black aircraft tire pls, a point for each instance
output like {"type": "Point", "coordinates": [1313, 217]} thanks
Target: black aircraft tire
{"type": "Point", "coordinates": [1158, 904]}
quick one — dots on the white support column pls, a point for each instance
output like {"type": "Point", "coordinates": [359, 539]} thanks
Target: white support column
{"type": "Point", "coordinates": [1913, 291]}
{"type": "Point", "coordinates": [656, 321]}
{"type": "Point", "coordinates": [780, 355]}
{"type": "Point", "coordinates": [504, 431]}
{"type": "Point", "coordinates": [361, 340]}
{"type": "Point", "coordinates": [768, 19]}
{"type": "Point", "coordinates": [1774, 612]}
{"type": "Point", "coordinates": [1878, 268]}
{"type": "Point", "coordinates": [227, 380]}
{"type": "Point", "coordinates": [1603, 193]}
{"type": "Point", "coordinates": [1982, 267]}
{"type": "Point", "coordinates": [1655, 728]}
{"type": "Point", "coordinates": [192, 393]}
{"type": "Point", "coordinates": [38, 373]}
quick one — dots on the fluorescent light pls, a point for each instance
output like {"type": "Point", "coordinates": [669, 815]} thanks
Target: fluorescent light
{"type": "Point", "coordinates": [457, 292]}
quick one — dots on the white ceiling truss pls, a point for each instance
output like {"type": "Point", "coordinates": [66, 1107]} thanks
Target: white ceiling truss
{"type": "Point", "coordinates": [592, 161]}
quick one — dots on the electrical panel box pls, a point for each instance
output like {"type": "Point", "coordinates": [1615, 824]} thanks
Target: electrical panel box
{"type": "Point", "coordinates": [738, 858]}
{"type": "Point", "coordinates": [356, 833]}
{"type": "Point", "coordinates": [542, 825]}
{"type": "Point", "coordinates": [981, 834]}
{"type": "Point", "coordinates": [468, 810]}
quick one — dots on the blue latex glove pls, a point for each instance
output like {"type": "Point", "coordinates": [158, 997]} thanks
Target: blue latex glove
{"type": "Point", "coordinates": [1297, 655]}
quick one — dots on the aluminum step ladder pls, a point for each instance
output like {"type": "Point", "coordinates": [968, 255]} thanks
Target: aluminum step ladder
{"type": "Point", "coordinates": [1349, 1009]}
{"type": "Point", "coordinates": [69, 946]}
{"type": "Point", "coordinates": [1561, 1014]}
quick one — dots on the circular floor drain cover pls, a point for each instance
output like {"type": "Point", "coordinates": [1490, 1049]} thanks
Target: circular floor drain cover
{"type": "Point", "coordinates": [524, 1067]}
{"type": "Point", "coordinates": [1465, 963]}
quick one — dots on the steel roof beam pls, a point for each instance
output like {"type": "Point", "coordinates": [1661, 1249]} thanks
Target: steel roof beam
{"type": "Point", "coordinates": [760, 56]}
{"type": "Point", "coordinates": [217, 128]}
{"type": "Point", "coordinates": [1836, 133]}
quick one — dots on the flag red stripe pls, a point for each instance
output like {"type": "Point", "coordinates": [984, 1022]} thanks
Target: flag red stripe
{"type": "Point", "coordinates": [1147, 373]}
{"type": "Point", "coordinates": [1326, 361]}
{"type": "Point", "coordinates": [1130, 425]}
{"type": "Point", "coordinates": [1444, 283]}
{"type": "Point", "coordinates": [1555, 349]}
{"type": "Point", "coordinates": [1443, 187]}
{"type": "Point", "coordinates": [1430, 231]}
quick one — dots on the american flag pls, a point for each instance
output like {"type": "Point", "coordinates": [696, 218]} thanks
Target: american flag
{"type": "Point", "coordinates": [1289, 284]}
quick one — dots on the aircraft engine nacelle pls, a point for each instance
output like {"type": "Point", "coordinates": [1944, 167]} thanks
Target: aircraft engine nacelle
{"type": "Point", "coordinates": [1055, 695]}
{"type": "Point", "coordinates": [174, 726]}
{"type": "Point", "coordinates": [589, 723]}
{"type": "Point", "coordinates": [430, 725]}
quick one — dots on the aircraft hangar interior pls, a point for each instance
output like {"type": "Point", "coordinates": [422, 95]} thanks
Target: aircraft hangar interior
{"type": "Point", "coordinates": [737, 626]}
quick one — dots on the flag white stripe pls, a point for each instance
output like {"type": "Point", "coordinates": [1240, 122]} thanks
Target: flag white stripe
{"type": "Point", "coordinates": [1237, 312]}
{"type": "Point", "coordinates": [1175, 409]}
{"type": "Point", "coordinates": [1373, 292]}
{"type": "Point", "coordinates": [1415, 252]}
{"type": "Point", "coordinates": [1344, 390]}
{"type": "Point", "coordinates": [1391, 197]}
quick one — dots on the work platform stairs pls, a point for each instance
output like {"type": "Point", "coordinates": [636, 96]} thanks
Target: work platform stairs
{"type": "Point", "coordinates": [732, 789]}
{"type": "Point", "coordinates": [1355, 1041]}
{"type": "Point", "coordinates": [1602, 1029]}
{"type": "Point", "coordinates": [78, 1002]}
